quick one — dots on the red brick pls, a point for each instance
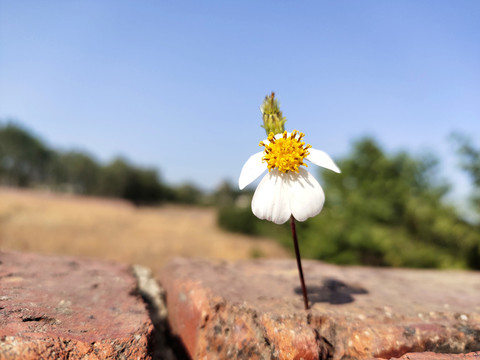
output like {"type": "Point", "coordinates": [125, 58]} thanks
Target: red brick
{"type": "Point", "coordinates": [253, 309]}
{"type": "Point", "coordinates": [436, 356]}
{"type": "Point", "coordinates": [58, 307]}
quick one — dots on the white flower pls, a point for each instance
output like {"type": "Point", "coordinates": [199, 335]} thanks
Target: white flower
{"type": "Point", "coordinates": [287, 189]}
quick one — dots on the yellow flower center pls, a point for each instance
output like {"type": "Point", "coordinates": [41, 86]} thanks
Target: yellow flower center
{"type": "Point", "coordinates": [286, 153]}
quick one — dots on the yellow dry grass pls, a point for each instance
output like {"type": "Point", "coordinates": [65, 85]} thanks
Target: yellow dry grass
{"type": "Point", "coordinates": [49, 223]}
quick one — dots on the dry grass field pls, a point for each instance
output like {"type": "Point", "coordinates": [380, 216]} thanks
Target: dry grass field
{"type": "Point", "coordinates": [42, 222]}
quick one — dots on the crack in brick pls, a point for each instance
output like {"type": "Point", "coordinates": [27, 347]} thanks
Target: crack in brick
{"type": "Point", "coordinates": [162, 344]}
{"type": "Point", "coordinates": [326, 350]}
{"type": "Point", "coordinates": [41, 318]}
{"type": "Point", "coordinates": [262, 334]}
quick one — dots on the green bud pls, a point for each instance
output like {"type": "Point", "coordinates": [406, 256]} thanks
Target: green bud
{"type": "Point", "coordinates": [273, 120]}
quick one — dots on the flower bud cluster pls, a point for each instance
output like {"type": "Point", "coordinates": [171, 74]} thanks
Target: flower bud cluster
{"type": "Point", "coordinates": [273, 119]}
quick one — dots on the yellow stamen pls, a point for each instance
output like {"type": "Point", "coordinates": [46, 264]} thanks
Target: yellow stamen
{"type": "Point", "coordinates": [286, 153]}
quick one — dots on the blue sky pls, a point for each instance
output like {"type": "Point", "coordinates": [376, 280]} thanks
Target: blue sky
{"type": "Point", "coordinates": [177, 85]}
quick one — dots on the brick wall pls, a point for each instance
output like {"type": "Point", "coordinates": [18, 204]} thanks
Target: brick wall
{"type": "Point", "coordinates": [72, 308]}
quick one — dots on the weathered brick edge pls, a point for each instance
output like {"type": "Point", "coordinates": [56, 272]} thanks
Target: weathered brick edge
{"type": "Point", "coordinates": [213, 327]}
{"type": "Point", "coordinates": [437, 356]}
{"type": "Point", "coordinates": [56, 307]}
{"type": "Point", "coordinates": [49, 314]}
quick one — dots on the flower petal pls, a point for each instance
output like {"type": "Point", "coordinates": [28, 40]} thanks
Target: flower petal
{"type": "Point", "coordinates": [270, 201]}
{"type": "Point", "coordinates": [305, 194]}
{"type": "Point", "coordinates": [321, 158]}
{"type": "Point", "coordinates": [252, 169]}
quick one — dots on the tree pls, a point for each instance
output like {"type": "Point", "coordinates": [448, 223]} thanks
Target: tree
{"type": "Point", "coordinates": [75, 171]}
{"type": "Point", "coordinates": [470, 162]}
{"type": "Point", "coordinates": [389, 211]}
{"type": "Point", "coordinates": [141, 186]}
{"type": "Point", "coordinates": [24, 160]}
{"type": "Point", "coordinates": [188, 194]}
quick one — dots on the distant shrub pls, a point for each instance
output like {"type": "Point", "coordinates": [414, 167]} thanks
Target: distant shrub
{"type": "Point", "coordinates": [240, 220]}
{"type": "Point", "coordinates": [187, 194]}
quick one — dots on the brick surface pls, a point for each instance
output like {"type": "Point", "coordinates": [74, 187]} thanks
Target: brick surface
{"type": "Point", "coordinates": [68, 308]}
{"type": "Point", "coordinates": [435, 356]}
{"type": "Point", "coordinates": [254, 310]}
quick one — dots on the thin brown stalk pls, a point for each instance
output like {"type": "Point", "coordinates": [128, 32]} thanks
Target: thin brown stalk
{"type": "Point", "coordinates": [299, 261]}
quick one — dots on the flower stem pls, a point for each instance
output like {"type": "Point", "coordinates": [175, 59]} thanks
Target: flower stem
{"type": "Point", "coordinates": [299, 261]}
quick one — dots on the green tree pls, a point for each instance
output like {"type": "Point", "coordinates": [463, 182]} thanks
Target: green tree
{"type": "Point", "coordinates": [141, 186]}
{"type": "Point", "coordinates": [75, 171]}
{"type": "Point", "coordinates": [188, 194]}
{"type": "Point", "coordinates": [24, 160]}
{"type": "Point", "coordinates": [388, 211]}
{"type": "Point", "coordinates": [225, 194]}
{"type": "Point", "coordinates": [470, 162]}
